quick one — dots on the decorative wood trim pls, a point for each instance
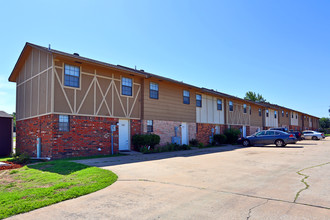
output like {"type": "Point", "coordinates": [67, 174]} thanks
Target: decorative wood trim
{"type": "Point", "coordinates": [133, 105]}
{"type": "Point", "coordinates": [66, 97]}
{"type": "Point", "coordinates": [83, 100]}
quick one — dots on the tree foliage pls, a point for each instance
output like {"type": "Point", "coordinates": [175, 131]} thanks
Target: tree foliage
{"type": "Point", "coordinates": [252, 96]}
{"type": "Point", "coordinates": [324, 123]}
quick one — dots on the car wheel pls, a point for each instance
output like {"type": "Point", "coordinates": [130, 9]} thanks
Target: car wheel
{"type": "Point", "coordinates": [246, 143]}
{"type": "Point", "coordinates": [279, 143]}
{"type": "Point", "coordinates": [314, 138]}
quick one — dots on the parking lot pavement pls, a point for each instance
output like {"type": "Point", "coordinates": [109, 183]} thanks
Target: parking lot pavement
{"type": "Point", "coordinates": [217, 183]}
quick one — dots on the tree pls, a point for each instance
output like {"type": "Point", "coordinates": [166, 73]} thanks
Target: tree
{"type": "Point", "coordinates": [252, 96]}
{"type": "Point", "coordinates": [324, 123]}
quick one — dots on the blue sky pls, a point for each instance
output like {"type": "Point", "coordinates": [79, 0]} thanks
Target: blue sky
{"type": "Point", "coordinates": [280, 49]}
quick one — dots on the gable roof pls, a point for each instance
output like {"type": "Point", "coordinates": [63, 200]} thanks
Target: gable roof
{"type": "Point", "coordinates": [4, 114]}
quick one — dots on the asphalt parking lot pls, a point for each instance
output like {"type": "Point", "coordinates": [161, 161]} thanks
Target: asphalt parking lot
{"type": "Point", "coordinates": [216, 183]}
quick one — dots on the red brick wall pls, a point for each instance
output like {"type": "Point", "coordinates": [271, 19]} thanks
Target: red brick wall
{"type": "Point", "coordinates": [86, 136]}
{"type": "Point", "coordinates": [204, 131]}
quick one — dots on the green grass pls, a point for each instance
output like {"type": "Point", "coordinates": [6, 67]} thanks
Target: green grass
{"type": "Point", "coordinates": [5, 158]}
{"type": "Point", "coordinates": [327, 135]}
{"type": "Point", "coordinates": [92, 157]}
{"type": "Point", "coordinates": [43, 184]}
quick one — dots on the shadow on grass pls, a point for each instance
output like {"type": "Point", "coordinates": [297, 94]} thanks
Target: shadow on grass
{"type": "Point", "coordinates": [59, 167]}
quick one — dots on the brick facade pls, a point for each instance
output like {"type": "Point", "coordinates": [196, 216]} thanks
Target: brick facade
{"type": "Point", "coordinates": [165, 129]}
{"type": "Point", "coordinates": [204, 131]}
{"type": "Point", "coordinates": [87, 136]}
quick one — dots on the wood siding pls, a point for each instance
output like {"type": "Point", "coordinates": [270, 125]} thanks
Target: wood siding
{"type": "Point", "coordinates": [169, 105]}
{"type": "Point", "coordinates": [295, 119]}
{"type": "Point", "coordinates": [237, 116]}
{"type": "Point", "coordinates": [99, 93]}
{"type": "Point", "coordinates": [271, 121]}
{"type": "Point", "coordinates": [209, 113]}
{"type": "Point", "coordinates": [256, 120]}
{"type": "Point", "coordinates": [33, 86]}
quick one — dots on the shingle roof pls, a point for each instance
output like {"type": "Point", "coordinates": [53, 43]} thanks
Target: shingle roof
{"type": "Point", "coordinates": [3, 114]}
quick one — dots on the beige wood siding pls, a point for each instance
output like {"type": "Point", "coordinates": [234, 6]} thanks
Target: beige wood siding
{"type": "Point", "coordinates": [33, 87]}
{"type": "Point", "coordinates": [294, 120]}
{"type": "Point", "coordinates": [283, 120]}
{"type": "Point", "coordinates": [209, 113]}
{"type": "Point", "coordinates": [237, 116]}
{"type": "Point", "coordinates": [99, 93]}
{"type": "Point", "coordinates": [256, 120]}
{"type": "Point", "coordinates": [169, 106]}
{"type": "Point", "coordinates": [271, 121]}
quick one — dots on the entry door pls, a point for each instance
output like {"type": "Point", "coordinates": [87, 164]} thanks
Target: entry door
{"type": "Point", "coordinates": [123, 134]}
{"type": "Point", "coordinates": [244, 131]}
{"type": "Point", "coordinates": [184, 133]}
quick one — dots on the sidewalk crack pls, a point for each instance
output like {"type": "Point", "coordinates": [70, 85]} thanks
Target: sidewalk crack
{"type": "Point", "coordinates": [304, 178]}
{"type": "Point", "coordinates": [250, 210]}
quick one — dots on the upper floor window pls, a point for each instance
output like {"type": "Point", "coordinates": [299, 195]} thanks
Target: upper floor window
{"type": "Point", "coordinates": [231, 107]}
{"type": "Point", "coordinates": [267, 113]}
{"type": "Point", "coordinates": [275, 114]}
{"type": "Point", "coordinates": [63, 123]}
{"type": "Point", "coordinates": [150, 126]}
{"type": "Point", "coordinates": [153, 90]}
{"type": "Point", "coordinates": [186, 97]}
{"type": "Point", "coordinates": [71, 75]}
{"type": "Point", "coordinates": [126, 86]}
{"type": "Point", "coordinates": [244, 108]}
{"type": "Point", "coordinates": [219, 104]}
{"type": "Point", "coordinates": [259, 111]}
{"type": "Point", "coordinates": [287, 114]}
{"type": "Point", "coordinates": [198, 100]}
{"type": "Point", "coordinates": [292, 115]}
{"type": "Point", "coordinates": [282, 113]}
{"type": "Point", "coordinates": [296, 116]}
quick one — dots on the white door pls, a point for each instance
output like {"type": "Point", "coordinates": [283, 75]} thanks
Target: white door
{"type": "Point", "coordinates": [184, 133]}
{"type": "Point", "coordinates": [244, 131]}
{"type": "Point", "coordinates": [123, 134]}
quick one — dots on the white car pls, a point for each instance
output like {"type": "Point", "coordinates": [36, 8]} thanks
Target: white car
{"type": "Point", "coordinates": [312, 135]}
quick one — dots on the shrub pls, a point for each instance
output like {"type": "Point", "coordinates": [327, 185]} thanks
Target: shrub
{"type": "Point", "coordinates": [20, 158]}
{"type": "Point", "coordinates": [193, 142]}
{"type": "Point", "coordinates": [141, 140]}
{"type": "Point", "coordinates": [220, 139]}
{"type": "Point", "coordinates": [232, 135]}
{"type": "Point", "coordinates": [200, 145]}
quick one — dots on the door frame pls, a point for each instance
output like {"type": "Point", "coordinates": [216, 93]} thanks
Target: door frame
{"type": "Point", "coordinates": [186, 131]}
{"type": "Point", "coordinates": [128, 133]}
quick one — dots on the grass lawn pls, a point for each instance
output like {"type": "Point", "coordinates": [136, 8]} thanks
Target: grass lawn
{"type": "Point", "coordinates": [5, 158]}
{"type": "Point", "coordinates": [327, 135]}
{"type": "Point", "coordinates": [43, 184]}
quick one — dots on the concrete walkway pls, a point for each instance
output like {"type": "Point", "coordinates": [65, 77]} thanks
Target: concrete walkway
{"type": "Point", "coordinates": [216, 183]}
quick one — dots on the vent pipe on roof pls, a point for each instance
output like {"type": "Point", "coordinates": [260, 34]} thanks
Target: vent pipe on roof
{"type": "Point", "coordinates": [142, 70]}
{"type": "Point", "coordinates": [76, 54]}
{"type": "Point", "coordinates": [49, 47]}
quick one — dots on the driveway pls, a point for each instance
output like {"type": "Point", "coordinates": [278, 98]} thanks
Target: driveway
{"type": "Point", "coordinates": [215, 183]}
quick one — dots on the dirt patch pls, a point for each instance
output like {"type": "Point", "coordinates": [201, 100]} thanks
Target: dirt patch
{"type": "Point", "coordinates": [11, 166]}
{"type": "Point", "coordinates": [6, 177]}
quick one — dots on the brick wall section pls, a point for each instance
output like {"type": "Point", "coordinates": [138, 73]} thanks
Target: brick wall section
{"type": "Point", "coordinates": [165, 130]}
{"type": "Point", "coordinates": [29, 130]}
{"type": "Point", "coordinates": [86, 136]}
{"type": "Point", "coordinates": [204, 131]}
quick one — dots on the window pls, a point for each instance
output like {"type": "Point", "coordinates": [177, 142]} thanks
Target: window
{"type": "Point", "coordinates": [267, 113]}
{"type": "Point", "coordinates": [244, 108]}
{"type": "Point", "coordinates": [259, 111]}
{"type": "Point", "coordinates": [199, 100]}
{"type": "Point", "coordinates": [292, 115]}
{"type": "Point", "coordinates": [275, 114]}
{"type": "Point", "coordinates": [126, 86]}
{"type": "Point", "coordinates": [153, 90]}
{"type": "Point", "coordinates": [71, 76]}
{"type": "Point", "coordinates": [270, 133]}
{"type": "Point", "coordinates": [296, 116]}
{"type": "Point", "coordinates": [63, 123]}
{"type": "Point", "coordinates": [287, 114]}
{"type": "Point", "coordinates": [219, 104]}
{"type": "Point", "coordinates": [150, 126]}
{"type": "Point", "coordinates": [231, 107]}
{"type": "Point", "coordinates": [186, 97]}
{"type": "Point", "coordinates": [261, 133]}
{"type": "Point", "coordinates": [282, 113]}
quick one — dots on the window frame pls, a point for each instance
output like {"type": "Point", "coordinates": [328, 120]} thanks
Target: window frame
{"type": "Point", "coordinates": [152, 90]}
{"type": "Point", "coordinates": [186, 99]}
{"type": "Point", "coordinates": [68, 75]}
{"type": "Point", "coordinates": [150, 127]}
{"type": "Point", "coordinates": [282, 113]}
{"type": "Point", "coordinates": [231, 106]}
{"type": "Point", "coordinates": [199, 101]}
{"type": "Point", "coordinates": [260, 112]}
{"type": "Point", "coordinates": [244, 108]}
{"type": "Point", "coordinates": [63, 126]}
{"type": "Point", "coordinates": [267, 113]}
{"type": "Point", "coordinates": [219, 108]}
{"type": "Point", "coordinates": [275, 114]}
{"type": "Point", "coordinates": [287, 114]}
{"type": "Point", "coordinates": [121, 86]}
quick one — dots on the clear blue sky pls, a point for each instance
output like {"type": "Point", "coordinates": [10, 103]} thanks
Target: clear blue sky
{"type": "Point", "coordinates": [280, 49]}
